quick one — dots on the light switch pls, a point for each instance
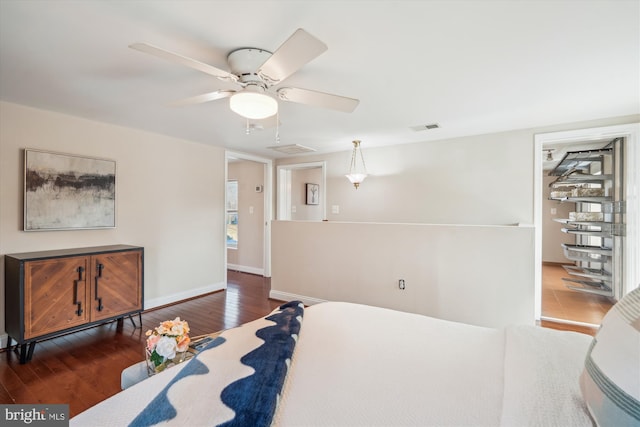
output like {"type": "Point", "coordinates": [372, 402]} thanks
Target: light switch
{"type": "Point", "coordinates": [335, 209]}
{"type": "Point", "coordinates": [251, 210]}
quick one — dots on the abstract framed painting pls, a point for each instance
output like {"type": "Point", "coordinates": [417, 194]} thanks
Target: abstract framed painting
{"type": "Point", "coordinates": [68, 192]}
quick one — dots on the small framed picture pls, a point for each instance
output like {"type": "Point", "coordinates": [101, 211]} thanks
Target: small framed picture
{"type": "Point", "coordinates": [313, 194]}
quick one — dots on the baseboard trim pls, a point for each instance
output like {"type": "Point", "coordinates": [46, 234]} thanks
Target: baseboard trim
{"type": "Point", "coordinates": [286, 296]}
{"type": "Point", "coordinates": [246, 269]}
{"type": "Point", "coordinates": [170, 299]}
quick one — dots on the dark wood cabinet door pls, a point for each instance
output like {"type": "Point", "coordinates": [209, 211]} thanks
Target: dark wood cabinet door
{"type": "Point", "coordinates": [55, 296]}
{"type": "Point", "coordinates": [116, 287]}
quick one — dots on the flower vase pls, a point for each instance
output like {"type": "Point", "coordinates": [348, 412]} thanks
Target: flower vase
{"type": "Point", "coordinates": [157, 363]}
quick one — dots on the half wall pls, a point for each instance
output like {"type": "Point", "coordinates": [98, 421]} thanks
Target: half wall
{"type": "Point", "coordinates": [477, 274]}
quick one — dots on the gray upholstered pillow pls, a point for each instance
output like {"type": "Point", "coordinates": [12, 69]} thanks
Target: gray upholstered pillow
{"type": "Point", "coordinates": [610, 381]}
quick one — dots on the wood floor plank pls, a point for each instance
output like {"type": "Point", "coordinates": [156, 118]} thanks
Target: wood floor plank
{"type": "Point", "coordinates": [560, 302]}
{"type": "Point", "coordinates": [5, 396]}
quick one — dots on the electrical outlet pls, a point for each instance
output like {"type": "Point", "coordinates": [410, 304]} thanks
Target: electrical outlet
{"type": "Point", "coordinates": [335, 209]}
{"type": "Point", "coordinates": [554, 211]}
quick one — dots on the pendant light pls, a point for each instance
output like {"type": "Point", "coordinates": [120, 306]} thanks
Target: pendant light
{"type": "Point", "coordinates": [357, 169]}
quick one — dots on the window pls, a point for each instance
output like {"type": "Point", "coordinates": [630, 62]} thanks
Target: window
{"type": "Point", "coordinates": [232, 214]}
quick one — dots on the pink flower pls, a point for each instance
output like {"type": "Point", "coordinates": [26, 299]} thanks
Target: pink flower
{"type": "Point", "coordinates": [152, 341]}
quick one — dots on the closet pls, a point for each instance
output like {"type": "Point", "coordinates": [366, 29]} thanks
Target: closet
{"type": "Point", "coordinates": [592, 182]}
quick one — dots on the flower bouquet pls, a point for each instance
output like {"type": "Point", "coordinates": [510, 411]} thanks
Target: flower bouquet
{"type": "Point", "coordinates": [166, 345]}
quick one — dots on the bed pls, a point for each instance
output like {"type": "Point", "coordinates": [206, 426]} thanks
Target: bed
{"type": "Point", "coordinates": [344, 364]}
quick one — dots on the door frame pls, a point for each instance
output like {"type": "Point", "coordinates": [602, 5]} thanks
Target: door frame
{"type": "Point", "coordinates": [268, 205]}
{"type": "Point", "coordinates": [284, 187]}
{"type": "Point", "coordinates": [631, 275]}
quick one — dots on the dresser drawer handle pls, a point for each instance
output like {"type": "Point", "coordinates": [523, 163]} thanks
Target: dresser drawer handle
{"type": "Point", "coordinates": [80, 271]}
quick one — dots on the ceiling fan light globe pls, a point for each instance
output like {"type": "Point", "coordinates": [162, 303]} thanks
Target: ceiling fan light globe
{"type": "Point", "coordinates": [253, 105]}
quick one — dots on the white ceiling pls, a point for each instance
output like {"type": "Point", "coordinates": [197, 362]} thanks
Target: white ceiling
{"type": "Point", "coordinates": [471, 66]}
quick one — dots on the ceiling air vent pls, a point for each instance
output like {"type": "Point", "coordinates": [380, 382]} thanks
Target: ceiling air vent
{"type": "Point", "coordinates": [291, 149]}
{"type": "Point", "coordinates": [425, 127]}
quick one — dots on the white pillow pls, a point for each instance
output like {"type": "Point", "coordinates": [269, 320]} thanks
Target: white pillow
{"type": "Point", "coordinates": [610, 381]}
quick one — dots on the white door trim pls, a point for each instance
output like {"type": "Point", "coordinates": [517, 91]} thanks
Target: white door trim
{"type": "Point", "coordinates": [631, 132]}
{"type": "Point", "coordinates": [268, 205]}
{"type": "Point", "coordinates": [284, 188]}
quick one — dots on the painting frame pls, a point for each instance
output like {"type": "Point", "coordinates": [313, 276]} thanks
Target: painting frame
{"type": "Point", "coordinates": [313, 193]}
{"type": "Point", "coordinates": [64, 191]}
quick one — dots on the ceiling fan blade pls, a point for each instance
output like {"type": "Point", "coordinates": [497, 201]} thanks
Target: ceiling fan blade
{"type": "Point", "coordinates": [206, 97]}
{"type": "Point", "coordinates": [191, 63]}
{"type": "Point", "coordinates": [319, 99]}
{"type": "Point", "coordinates": [295, 52]}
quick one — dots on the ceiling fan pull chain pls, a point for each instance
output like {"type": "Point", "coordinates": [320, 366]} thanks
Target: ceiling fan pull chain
{"type": "Point", "coordinates": [278, 126]}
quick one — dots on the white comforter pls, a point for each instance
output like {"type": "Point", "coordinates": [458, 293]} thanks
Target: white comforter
{"type": "Point", "coordinates": [359, 365]}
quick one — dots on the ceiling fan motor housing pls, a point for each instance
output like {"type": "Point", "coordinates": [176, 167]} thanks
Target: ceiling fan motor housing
{"type": "Point", "coordinates": [245, 63]}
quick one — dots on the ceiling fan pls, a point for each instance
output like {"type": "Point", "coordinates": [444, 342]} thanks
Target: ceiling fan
{"type": "Point", "coordinates": [255, 72]}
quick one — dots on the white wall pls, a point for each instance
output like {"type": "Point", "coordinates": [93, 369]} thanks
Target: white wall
{"type": "Point", "coordinates": [483, 180]}
{"type": "Point", "coordinates": [472, 180]}
{"type": "Point", "coordinates": [169, 199]}
{"type": "Point", "coordinates": [481, 275]}
{"type": "Point", "coordinates": [299, 179]}
{"type": "Point", "coordinates": [170, 192]}
{"type": "Point", "coordinates": [249, 256]}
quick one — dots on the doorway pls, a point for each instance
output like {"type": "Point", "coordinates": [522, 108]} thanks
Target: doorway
{"type": "Point", "coordinates": [555, 301]}
{"type": "Point", "coordinates": [254, 179]}
{"type": "Point", "coordinates": [293, 188]}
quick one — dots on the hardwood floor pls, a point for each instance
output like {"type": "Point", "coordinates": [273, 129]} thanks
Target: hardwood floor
{"type": "Point", "coordinates": [560, 302]}
{"type": "Point", "coordinates": [83, 368]}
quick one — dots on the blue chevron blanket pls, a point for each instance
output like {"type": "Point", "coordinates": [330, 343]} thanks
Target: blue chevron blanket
{"type": "Point", "coordinates": [236, 380]}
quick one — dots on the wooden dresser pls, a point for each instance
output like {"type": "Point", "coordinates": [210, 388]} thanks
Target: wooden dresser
{"type": "Point", "coordinates": [53, 292]}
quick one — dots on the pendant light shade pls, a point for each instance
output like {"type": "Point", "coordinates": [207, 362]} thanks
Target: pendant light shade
{"type": "Point", "coordinates": [357, 169]}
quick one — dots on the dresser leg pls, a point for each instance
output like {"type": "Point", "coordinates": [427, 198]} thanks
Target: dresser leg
{"type": "Point", "coordinates": [23, 353]}
{"type": "Point", "coordinates": [32, 346]}
{"type": "Point", "coordinates": [139, 321]}
{"type": "Point", "coordinates": [26, 351]}
{"type": "Point", "coordinates": [133, 321]}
